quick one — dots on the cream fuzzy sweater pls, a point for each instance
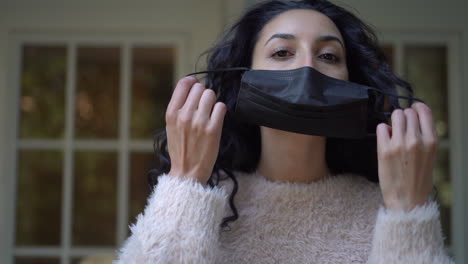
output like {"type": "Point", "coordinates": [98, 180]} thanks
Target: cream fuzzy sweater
{"type": "Point", "coordinates": [339, 219]}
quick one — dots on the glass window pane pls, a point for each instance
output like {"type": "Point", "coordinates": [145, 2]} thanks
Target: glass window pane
{"type": "Point", "coordinates": [441, 176]}
{"type": "Point", "coordinates": [29, 260]}
{"type": "Point", "coordinates": [94, 202]}
{"type": "Point", "coordinates": [97, 95]}
{"type": "Point", "coordinates": [39, 196]}
{"type": "Point", "coordinates": [426, 70]}
{"type": "Point", "coordinates": [152, 84]}
{"type": "Point", "coordinates": [42, 91]}
{"type": "Point", "coordinates": [140, 164]}
{"type": "Point", "coordinates": [94, 259]}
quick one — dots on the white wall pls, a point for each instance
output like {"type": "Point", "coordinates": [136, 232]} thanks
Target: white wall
{"type": "Point", "coordinates": [201, 21]}
{"type": "Point", "coordinates": [3, 125]}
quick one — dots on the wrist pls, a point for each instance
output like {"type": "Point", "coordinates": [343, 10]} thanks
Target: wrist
{"type": "Point", "coordinates": [195, 176]}
{"type": "Point", "coordinates": [402, 205]}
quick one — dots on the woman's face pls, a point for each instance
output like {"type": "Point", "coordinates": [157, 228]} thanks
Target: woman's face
{"type": "Point", "coordinates": [299, 38]}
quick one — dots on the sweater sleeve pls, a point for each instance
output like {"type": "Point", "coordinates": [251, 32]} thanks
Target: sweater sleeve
{"type": "Point", "coordinates": [409, 237]}
{"type": "Point", "coordinates": [179, 224]}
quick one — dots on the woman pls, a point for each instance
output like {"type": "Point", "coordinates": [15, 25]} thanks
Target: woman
{"type": "Point", "coordinates": [282, 196]}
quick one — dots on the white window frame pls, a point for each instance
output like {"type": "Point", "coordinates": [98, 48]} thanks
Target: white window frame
{"type": "Point", "coordinates": [123, 145]}
{"type": "Point", "coordinates": [451, 40]}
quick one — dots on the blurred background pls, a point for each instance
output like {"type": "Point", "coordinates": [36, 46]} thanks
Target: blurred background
{"type": "Point", "coordinates": [84, 86]}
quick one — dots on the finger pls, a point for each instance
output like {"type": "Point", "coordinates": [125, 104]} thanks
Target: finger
{"type": "Point", "coordinates": [426, 121]}
{"type": "Point", "coordinates": [398, 125]}
{"type": "Point", "coordinates": [181, 92]}
{"type": "Point", "coordinates": [193, 98]}
{"type": "Point", "coordinates": [205, 106]}
{"type": "Point", "coordinates": [217, 116]}
{"type": "Point", "coordinates": [383, 135]}
{"type": "Point", "coordinates": [412, 123]}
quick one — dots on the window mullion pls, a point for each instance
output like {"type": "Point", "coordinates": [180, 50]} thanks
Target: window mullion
{"type": "Point", "coordinates": [124, 127]}
{"type": "Point", "coordinates": [67, 190]}
{"type": "Point", "coordinates": [457, 163]}
{"type": "Point", "coordinates": [13, 159]}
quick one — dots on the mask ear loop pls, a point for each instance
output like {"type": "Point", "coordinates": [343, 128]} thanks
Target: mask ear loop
{"type": "Point", "coordinates": [388, 114]}
{"type": "Point", "coordinates": [220, 70]}
{"type": "Point", "coordinates": [409, 98]}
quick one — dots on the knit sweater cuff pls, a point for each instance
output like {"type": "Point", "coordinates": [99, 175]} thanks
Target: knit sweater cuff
{"type": "Point", "coordinates": [408, 237]}
{"type": "Point", "coordinates": [180, 209]}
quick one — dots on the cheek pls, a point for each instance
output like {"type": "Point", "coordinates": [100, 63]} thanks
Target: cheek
{"type": "Point", "coordinates": [345, 71]}
{"type": "Point", "coordinates": [258, 62]}
{"type": "Point", "coordinates": [342, 72]}
{"type": "Point", "coordinates": [333, 71]}
{"type": "Point", "coordinates": [345, 75]}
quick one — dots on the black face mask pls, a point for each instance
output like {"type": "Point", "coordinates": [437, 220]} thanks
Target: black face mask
{"type": "Point", "coordinates": [306, 101]}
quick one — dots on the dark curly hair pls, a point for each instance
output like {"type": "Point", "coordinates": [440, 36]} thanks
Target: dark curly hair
{"type": "Point", "coordinates": [240, 142]}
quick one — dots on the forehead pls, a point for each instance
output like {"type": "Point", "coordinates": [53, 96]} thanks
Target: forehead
{"type": "Point", "coordinates": [303, 23]}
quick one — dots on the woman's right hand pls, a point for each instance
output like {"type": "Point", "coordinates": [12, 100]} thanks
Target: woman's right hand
{"type": "Point", "coordinates": [194, 122]}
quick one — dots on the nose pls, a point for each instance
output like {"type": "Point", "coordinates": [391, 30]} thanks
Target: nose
{"type": "Point", "coordinates": [307, 60]}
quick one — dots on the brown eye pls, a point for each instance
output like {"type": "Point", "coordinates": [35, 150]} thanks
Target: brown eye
{"type": "Point", "coordinates": [282, 54]}
{"type": "Point", "coordinates": [329, 57]}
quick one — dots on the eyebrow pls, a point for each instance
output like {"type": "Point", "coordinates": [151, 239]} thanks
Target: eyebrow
{"type": "Point", "coordinates": [330, 38]}
{"type": "Point", "coordinates": [282, 36]}
{"type": "Point", "coordinates": [323, 38]}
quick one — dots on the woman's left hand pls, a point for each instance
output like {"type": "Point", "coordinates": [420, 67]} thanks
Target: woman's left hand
{"type": "Point", "coordinates": [406, 155]}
